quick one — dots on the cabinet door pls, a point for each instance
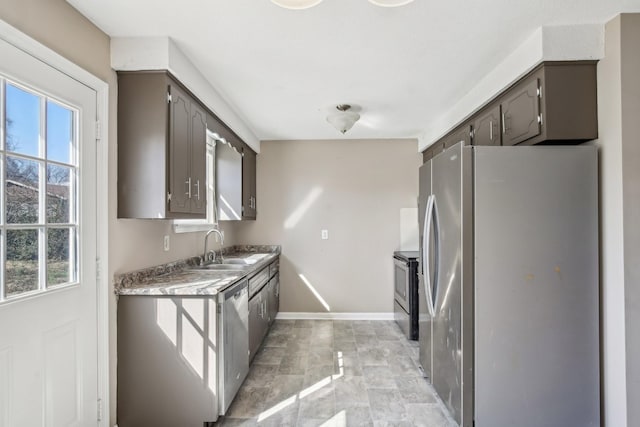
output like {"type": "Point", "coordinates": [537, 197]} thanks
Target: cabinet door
{"type": "Point", "coordinates": [255, 325]}
{"type": "Point", "coordinates": [264, 296]}
{"type": "Point", "coordinates": [179, 154]}
{"type": "Point", "coordinates": [248, 184]}
{"type": "Point", "coordinates": [271, 305]}
{"type": "Point", "coordinates": [486, 128]}
{"type": "Point", "coordinates": [463, 134]}
{"type": "Point", "coordinates": [198, 170]}
{"type": "Point", "coordinates": [521, 113]}
{"type": "Point", "coordinates": [274, 298]}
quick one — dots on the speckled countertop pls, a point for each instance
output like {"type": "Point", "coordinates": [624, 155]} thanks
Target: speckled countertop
{"type": "Point", "coordinates": [180, 278]}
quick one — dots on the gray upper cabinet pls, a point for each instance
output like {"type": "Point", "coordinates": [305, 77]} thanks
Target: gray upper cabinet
{"type": "Point", "coordinates": [249, 202]}
{"type": "Point", "coordinates": [556, 103]}
{"type": "Point", "coordinates": [161, 148]}
{"type": "Point", "coordinates": [461, 134]}
{"type": "Point", "coordinates": [521, 117]}
{"type": "Point", "coordinates": [486, 127]}
{"type": "Point", "coordinates": [199, 159]}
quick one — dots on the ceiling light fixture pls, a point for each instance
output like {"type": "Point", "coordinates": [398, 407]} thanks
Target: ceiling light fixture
{"type": "Point", "coordinates": [344, 119]}
{"type": "Point", "coordinates": [306, 4]}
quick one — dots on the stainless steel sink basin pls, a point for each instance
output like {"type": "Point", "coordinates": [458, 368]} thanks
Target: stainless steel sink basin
{"type": "Point", "coordinates": [235, 261]}
{"type": "Point", "coordinates": [251, 259]}
{"type": "Point", "coordinates": [223, 267]}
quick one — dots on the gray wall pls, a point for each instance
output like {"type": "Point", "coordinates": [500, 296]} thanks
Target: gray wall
{"type": "Point", "coordinates": [630, 55]}
{"type": "Point", "coordinates": [354, 189]}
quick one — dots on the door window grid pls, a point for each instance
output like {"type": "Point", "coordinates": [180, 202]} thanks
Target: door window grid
{"type": "Point", "coordinates": [38, 252]}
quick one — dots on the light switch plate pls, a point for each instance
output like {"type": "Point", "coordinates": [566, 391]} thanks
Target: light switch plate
{"type": "Point", "coordinates": [167, 243]}
{"type": "Point", "coordinates": [324, 234]}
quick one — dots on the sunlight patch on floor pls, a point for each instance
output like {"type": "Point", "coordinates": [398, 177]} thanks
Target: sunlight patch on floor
{"type": "Point", "coordinates": [277, 408]}
{"type": "Point", "coordinates": [337, 420]}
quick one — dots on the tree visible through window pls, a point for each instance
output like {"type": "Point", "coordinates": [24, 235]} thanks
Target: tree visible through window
{"type": "Point", "coordinates": [39, 173]}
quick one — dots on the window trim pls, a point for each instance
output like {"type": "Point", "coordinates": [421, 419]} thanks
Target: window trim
{"type": "Point", "coordinates": [42, 224]}
{"type": "Point", "coordinates": [198, 225]}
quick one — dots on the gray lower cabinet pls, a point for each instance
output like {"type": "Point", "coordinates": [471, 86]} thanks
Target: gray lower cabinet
{"type": "Point", "coordinates": [273, 295]}
{"type": "Point", "coordinates": [263, 305]}
{"type": "Point", "coordinates": [257, 324]}
{"type": "Point", "coordinates": [167, 356]}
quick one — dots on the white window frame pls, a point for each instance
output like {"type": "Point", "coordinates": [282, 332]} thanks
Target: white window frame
{"type": "Point", "coordinates": [42, 225]}
{"type": "Point", "coordinates": [197, 225]}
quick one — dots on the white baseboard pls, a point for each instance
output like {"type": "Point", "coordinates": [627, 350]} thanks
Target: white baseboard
{"type": "Point", "coordinates": [334, 316]}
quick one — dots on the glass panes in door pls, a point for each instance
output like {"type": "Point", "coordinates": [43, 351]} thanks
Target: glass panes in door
{"type": "Point", "coordinates": [38, 159]}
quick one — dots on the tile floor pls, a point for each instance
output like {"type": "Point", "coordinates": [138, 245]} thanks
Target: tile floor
{"type": "Point", "coordinates": [336, 373]}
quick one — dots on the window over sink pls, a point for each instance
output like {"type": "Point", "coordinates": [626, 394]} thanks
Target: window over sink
{"type": "Point", "coordinates": [224, 186]}
{"type": "Point", "coordinates": [193, 225]}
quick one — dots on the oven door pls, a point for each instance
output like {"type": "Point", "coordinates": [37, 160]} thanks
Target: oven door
{"type": "Point", "coordinates": [401, 283]}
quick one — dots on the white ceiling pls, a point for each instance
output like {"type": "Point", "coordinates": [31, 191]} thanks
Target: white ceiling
{"type": "Point", "coordinates": [284, 70]}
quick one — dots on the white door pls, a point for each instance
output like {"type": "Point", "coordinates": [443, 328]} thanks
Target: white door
{"type": "Point", "coordinates": [48, 295]}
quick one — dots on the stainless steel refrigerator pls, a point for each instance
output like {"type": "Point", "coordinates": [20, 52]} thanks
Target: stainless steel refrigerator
{"type": "Point", "coordinates": [509, 287]}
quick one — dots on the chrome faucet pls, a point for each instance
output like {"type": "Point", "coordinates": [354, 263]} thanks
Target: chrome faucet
{"type": "Point", "coordinates": [206, 238]}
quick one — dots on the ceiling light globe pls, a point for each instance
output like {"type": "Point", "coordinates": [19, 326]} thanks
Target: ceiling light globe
{"type": "Point", "coordinates": [343, 121]}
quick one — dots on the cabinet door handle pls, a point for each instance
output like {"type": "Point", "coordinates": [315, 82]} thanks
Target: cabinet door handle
{"type": "Point", "coordinates": [198, 189]}
{"type": "Point", "coordinates": [504, 123]}
{"type": "Point", "coordinates": [491, 130]}
{"type": "Point", "coordinates": [188, 192]}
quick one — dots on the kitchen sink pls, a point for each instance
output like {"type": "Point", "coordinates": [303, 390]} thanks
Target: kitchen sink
{"type": "Point", "coordinates": [251, 259]}
{"type": "Point", "coordinates": [223, 267]}
{"type": "Point", "coordinates": [236, 261]}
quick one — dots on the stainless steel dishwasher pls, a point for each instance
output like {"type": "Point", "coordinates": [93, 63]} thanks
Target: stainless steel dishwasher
{"type": "Point", "coordinates": [233, 309]}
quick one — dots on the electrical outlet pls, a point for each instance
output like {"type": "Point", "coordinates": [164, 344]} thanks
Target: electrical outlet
{"type": "Point", "coordinates": [324, 234]}
{"type": "Point", "coordinates": [166, 243]}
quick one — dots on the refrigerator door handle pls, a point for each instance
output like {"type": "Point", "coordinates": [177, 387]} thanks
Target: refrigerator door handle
{"type": "Point", "coordinates": [426, 233]}
{"type": "Point", "coordinates": [436, 259]}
